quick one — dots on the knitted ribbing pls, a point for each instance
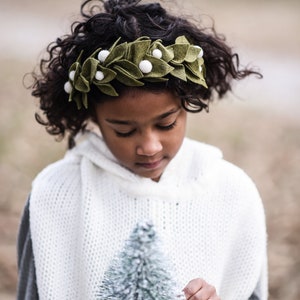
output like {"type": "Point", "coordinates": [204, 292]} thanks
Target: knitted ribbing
{"type": "Point", "coordinates": [206, 211]}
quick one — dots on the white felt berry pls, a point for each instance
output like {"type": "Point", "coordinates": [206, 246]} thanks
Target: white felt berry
{"type": "Point", "coordinates": [102, 55]}
{"type": "Point", "coordinates": [145, 66]}
{"type": "Point", "coordinates": [99, 75]}
{"type": "Point", "coordinates": [72, 75]}
{"type": "Point", "coordinates": [157, 53]}
{"type": "Point", "coordinates": [68, 87]}
{"type": "Point", "coordinates": [201, 51]}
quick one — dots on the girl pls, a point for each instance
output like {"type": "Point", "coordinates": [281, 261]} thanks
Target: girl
{"type": "Point", "coordinates": [134, 71]}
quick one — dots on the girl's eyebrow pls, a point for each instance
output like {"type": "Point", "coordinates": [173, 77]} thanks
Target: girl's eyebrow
{"type": "Point", "coordinates": [170, 112]}
{"type": "Point", "coordinates": [128, 122]}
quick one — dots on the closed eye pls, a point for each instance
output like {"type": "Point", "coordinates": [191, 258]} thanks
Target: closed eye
{"type": "Point", "coordinates": [167, 127]}
{"type": "Point", "coordinates": [125, 134]}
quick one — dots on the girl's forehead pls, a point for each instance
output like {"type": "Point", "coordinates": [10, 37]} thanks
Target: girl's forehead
{"type": "Point", "coordinates": [137, 96]}
{"type": "Point", "coordinates": [139, 104]}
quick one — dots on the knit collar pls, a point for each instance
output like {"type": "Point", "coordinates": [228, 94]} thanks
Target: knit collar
{"type": "Point", "coordinates": [93, 148]}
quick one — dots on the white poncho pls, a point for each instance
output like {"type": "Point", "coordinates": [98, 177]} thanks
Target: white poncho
{"type": "Point", "coordinates": [206, 211]}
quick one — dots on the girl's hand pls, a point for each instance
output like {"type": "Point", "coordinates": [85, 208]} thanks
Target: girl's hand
{"type": "Point", "coordinates": [199, 289]}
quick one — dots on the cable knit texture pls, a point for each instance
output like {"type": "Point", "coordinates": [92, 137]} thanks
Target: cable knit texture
{"type": "Point", "coordinates": [206, 211]}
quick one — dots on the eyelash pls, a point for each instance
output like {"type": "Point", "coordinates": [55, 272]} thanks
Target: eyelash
{"type": "Point", "coordinates": [125, 134]}
{"type": "Point", "coordinates": [167, 127]}
{"type": "Point", "coordinates": [160, 127]}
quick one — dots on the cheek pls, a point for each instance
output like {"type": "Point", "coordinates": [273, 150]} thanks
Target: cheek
{"type": "Point", "coordinates": [123, 150]}
{"type": "Point", "coordinates": [119, 147]}
{"type": "Point", "coordinates": [173, 142]}
{"type": "Point", "coordinates": [181, 129]}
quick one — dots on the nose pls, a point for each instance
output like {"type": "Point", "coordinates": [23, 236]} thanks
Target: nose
{"type": "Point", "coordinates": [149, 144]}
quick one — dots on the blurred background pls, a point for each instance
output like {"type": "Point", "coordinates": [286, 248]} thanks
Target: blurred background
{"type": "Point", "coordinates": [257, 126]}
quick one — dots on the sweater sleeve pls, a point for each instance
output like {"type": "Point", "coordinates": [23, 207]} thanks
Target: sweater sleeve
{"type": "Point", "coordinates": [27, 288]}
{"type": "Point", "coordinates": [261, 290]}
{"type": "Point", "coordinates": [256, 219]}
{"type": "Point", "coordinates": [257, 213]}
{"type": "Point", "coordinates": [247, 254]}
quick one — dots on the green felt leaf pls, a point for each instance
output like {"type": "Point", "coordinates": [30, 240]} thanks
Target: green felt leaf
{"type": "Point", "coordinates": [201, 61]}
{"type": "Point", "coordinates": [85, 100]}
{"type": "Point", "coordinates": [108, 89]}
{"type": "Point", "coordinates": [204, 71]}
{"type": "Point", "coordinates": [77, 99]}
{"type": "Point", "coordinates": [181, 40]}
{"type": "Point", "coordinates": [137, 50]}
{"type": "Point", "coordinates": [95, 53]}
{"type": "Point", "coordinates": [159, 67]}
{"type": "Point", "coordinates": [109, 75]}
{"type": "Point", "coordinates": [196, 79]}
{"type": "Point", "coordinates": [156, 79]}
{"type": "Point", "coordinates": [71, 96]}
{"type": "Point", "coordinates": [130, 68]}
{"type": "Point", "coordinates": [194, 68]}
{"type": "Point", "coordinates": [115, 43]}
{"type": "Point", "coordinates": [116, 54]}
{"type": "Point", "coordinates": [82, 84]}
{"type": "Point", "coordinates": [167, 53]}
{"type": "Point", "coordinates": [89, 69]}
{"type": "Point", "coordinates": [126, 78]}
{"type": "Point", "coordinates": [179, 72]}
{"type": "Point", "coordinates": [180, 51]}
{"type": "Point", "coordinates": [77, 68]}
{"type": "Point", "coordinates": [192, 54]}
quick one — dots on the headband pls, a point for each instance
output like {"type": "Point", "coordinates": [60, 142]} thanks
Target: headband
{"type": "Point", "coordinates": [133, 64]}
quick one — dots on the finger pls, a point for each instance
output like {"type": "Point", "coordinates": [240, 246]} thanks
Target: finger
{"type": "Point", "coordinates": [199, 289]}
{"type": "Point", "coordinates": [193, 287]}
{"type": "Point", "coordinates": [201, 296]}
{"type": "Point", "coordinates": [206, 292]}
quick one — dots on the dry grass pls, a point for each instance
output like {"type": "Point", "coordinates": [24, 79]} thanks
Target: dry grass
{"type": "Point", "coordinates": [262, 141]}
{"type": "Point", "coordinates": [267, 147]}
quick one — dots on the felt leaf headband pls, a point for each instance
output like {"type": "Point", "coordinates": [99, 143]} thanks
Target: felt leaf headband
{"type": "Point", "coordinates": [133, 64]}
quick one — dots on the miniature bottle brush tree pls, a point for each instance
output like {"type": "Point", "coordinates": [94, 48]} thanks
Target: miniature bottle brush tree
{"type": "Point", "coordinates": [140, 271]}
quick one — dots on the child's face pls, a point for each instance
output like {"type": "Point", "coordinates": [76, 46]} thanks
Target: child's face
{"type": "Point", "coordinates": [143, 129]}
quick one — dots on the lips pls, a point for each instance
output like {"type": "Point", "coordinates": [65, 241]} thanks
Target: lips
{"type": "Point", "coordinates": [150, 164]}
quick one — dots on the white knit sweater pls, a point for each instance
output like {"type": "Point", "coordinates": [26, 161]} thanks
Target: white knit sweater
{"type": "Point", "coordinates": [206, 211]}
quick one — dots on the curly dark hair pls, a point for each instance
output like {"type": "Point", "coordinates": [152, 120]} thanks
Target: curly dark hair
{"type": "Point", "coordinates": [102, 23]}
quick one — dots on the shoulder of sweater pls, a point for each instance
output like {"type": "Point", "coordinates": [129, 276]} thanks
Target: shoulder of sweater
{"type": "Point", "coordinates": [60, 170]}
{"type": "Point", "coordinates": [241, 188]}
{"type": "Point", "coordinates": [236, 175]}
{"type": "Point", "coordinates": [203, 148]}
{"type": "Point", "coordinates": [197, 160]}
{"type": "Point", "coordinates": [200, 155]}
{"type": "Point", "coordinates": [210, 160]}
